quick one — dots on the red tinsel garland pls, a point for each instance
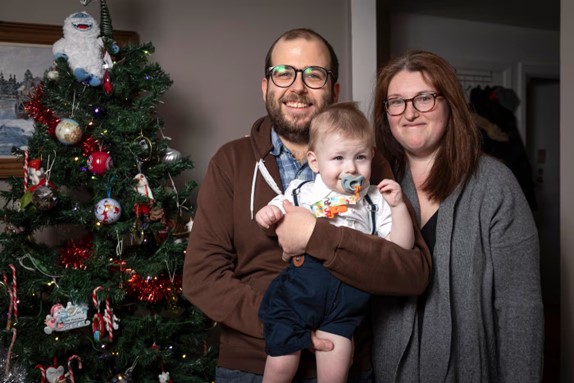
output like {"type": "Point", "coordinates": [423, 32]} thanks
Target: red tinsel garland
{"type": "Point", "coordinates": [153, 289]}
{"type": "Point", "coordinates": [39, 112]}
{"type": "Point", "coordinates": [89, 145]}
{"type": "Point", "coordinates": [73, 255]}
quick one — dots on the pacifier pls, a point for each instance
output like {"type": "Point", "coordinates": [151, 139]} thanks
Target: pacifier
{"type": "Point", "coordinates": [352, 184]}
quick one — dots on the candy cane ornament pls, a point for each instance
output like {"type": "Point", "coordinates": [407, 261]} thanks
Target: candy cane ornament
{"type": "Point", "coordinates": [98, 320]}
{"type": "Point", "coordinates": [26, 170]}
{"type": "Point", "coordinates": [95, 297]}
{"type": "Point", "coordinates": [10, 306]}
{"type": "Point", "coordinates": [9, 354]}
{"type": "Point", "coordinates": [108, 319]}
{"type": "Point", "coordinates": [43, 371]}
{"type": "Point", "coordinates": [14, 292]}
{"type": "Point", "coordinates": [70, 371]}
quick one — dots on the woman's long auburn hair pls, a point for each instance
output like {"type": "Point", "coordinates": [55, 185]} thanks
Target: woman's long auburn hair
{"type": "Point", "coordinates": [457, 157]}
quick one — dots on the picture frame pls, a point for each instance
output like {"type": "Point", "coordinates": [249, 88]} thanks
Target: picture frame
{"type": "Point", "coordinates": [14, 34]}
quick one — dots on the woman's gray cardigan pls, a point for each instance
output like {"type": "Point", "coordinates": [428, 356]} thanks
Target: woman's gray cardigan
{"type": "Point", "coordinates": [483, 319]}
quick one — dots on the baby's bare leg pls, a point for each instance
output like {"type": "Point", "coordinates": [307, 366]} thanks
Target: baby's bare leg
{"type": "Point", "coordinates": [333, 366]}
{"type": "Point", "coordinates": [281, 369]}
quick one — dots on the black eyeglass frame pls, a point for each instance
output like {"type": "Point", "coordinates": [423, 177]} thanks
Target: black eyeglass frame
{"type": "Point", "coordinates": [411, 100]}
{"type": "Point", "coordinates": [329, 72]}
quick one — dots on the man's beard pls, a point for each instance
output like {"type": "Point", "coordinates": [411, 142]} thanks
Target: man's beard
{"type": "Point", "coordinates": [297, 130]}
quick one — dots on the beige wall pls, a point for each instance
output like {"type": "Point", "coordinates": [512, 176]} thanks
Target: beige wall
{"type": "Point", "coordinates": [213, 50]}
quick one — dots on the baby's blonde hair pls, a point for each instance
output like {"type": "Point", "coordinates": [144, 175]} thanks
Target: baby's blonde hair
{"type": "Point", "coordinates": [344, 118]}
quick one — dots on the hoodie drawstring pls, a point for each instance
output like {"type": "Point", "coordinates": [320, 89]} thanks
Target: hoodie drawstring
{"type": "Point", "coordinates": [260, 165]}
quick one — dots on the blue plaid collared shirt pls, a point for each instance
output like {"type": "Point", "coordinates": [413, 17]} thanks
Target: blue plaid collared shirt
{"type": "Point", "coordinates": [289, 167]}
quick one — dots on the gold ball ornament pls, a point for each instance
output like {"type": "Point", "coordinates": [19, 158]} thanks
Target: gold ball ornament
{"type": "Point", "coordinates": [68, 131]}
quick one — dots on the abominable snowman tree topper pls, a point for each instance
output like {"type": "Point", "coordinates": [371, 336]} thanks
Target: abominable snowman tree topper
{"type": "Point", "coordinates": [82, 47]}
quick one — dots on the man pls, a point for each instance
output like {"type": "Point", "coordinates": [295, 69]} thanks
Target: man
{"type": "Point", "coordinates": [230, 261]}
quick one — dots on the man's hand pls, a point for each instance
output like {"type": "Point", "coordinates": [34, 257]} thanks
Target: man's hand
{"type": "Point", "coordinates": [320, 344]}
{"type": "Point", "coordinates": [295, 229]}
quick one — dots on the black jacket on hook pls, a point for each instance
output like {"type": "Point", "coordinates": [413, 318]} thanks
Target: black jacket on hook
{"type": "Point", "coordinates": [503, 140]}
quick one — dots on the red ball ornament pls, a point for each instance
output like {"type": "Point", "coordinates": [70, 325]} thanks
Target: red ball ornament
{"type": "Point", "coordinates": [99, 162]}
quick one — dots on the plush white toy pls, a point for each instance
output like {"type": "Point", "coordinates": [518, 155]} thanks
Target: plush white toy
{"type": "Point", "coordinates": [164, 377]}
{"type": "Point", "coordinates": [82, 47]}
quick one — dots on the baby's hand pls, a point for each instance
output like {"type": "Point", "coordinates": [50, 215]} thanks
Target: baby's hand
{"type": "Point", "coordinates": [391, 192]}
{"type": "Point", "coordinates": [268, 216]}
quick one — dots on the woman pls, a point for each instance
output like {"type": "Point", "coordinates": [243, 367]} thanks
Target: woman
{"type": "Point", "coordinates": [481, 318]}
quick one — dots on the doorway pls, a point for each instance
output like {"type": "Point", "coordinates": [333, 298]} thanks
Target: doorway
{"type": "Point", "coordinates": [543, 147]}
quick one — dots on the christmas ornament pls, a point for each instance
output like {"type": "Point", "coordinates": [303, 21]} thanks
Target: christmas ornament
{"type": "Point", "coordinates": [108, 322]}
{"type": "Point", "coordinates": [35, 175]}
{"type": "Point", "coordinates": [98, 327]}
{"type": "Point", "coordinates": [68, 131]}
{"type": "Point", "coordinates": [108, 210]}
{"type": "Point", "coordinates": [142, 186]}
{"type": "Point", "coordinates": [62, 318]}
{"type": "Point", "coordinates": [107, 31]}
{"type": "Point", "coordinates": [81, 46]}
{"type": "Point", "coordinates": [125, 377]}
{"type": "Point", "coordinates": [99, 162]}
{"type": "Point", "coordinates": [35, 172]}
{"type": "Point", "coordinates": [44, 198]}
{"type": "Point", "coordinates": [55, 374]}
{"type": "Point", "coordinates": [156, 213]}
{"type": "Point", "coordinates": [13, 295]}
{"type": "Point", "coordinates": [108, 87]}
{"type": "Point", "coordinates": [183, 225]}
{"type": "Point", "coordinates": [171, 155]}
{"type": "Point", "coordinates": [146, 146]}
{"type": "Point", "coordinates": [70, 370]}
{"type": "Point", "coordinates": [164, 378]}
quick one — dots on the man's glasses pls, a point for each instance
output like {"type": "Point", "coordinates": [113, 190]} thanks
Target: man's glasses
{"type": "Point", "coordinates": [423, 102]}
{"type": "Point", "coordinates": [314, 77]}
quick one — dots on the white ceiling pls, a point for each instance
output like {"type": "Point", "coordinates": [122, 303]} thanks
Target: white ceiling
{"type": "Point", "coordinates": [522, 13]}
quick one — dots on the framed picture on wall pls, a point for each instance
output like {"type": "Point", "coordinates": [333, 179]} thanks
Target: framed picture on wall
{"type": "Point", "coordinates": [25, 55]}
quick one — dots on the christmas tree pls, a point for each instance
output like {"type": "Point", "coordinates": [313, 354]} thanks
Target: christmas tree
{"type": "Point", "coordinates": [96, 230]}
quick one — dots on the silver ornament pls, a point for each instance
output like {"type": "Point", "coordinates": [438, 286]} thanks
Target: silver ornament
{"type": "Point", "coordinates": [171, 155]}
{"type": "Point", "coordinates": [44, 198]}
